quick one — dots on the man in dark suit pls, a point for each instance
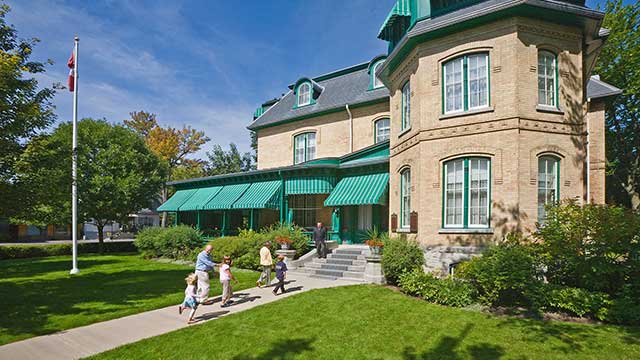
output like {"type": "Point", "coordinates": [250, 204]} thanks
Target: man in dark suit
{"type": "Point", "coordinates": [320, 239]}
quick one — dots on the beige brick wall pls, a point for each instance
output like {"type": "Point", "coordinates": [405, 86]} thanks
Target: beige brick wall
{"type": "Point", "coordinates": [513, 132]}
{"type": "Point", "coordinates": [597, 152]}
{"type": "Point", "coordinates": [275, 144]}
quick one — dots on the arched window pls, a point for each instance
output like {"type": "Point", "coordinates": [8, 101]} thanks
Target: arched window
{"type": "Point", "coordinates": [466, 193]}
{"type": "Point", "coordinates": [547, 79]}
{"type": "Point", "coordinates": [375, 82]}
{"type": "Point", "coordinates": [383, 129]}
{"type": "Point", "coordinates": [304, 94]}
{"type": "Point", "coordinates": [405, 198]}
{"type": "Point", "coordinates": [406, 106]}
{"type": "Point", "coordinates": [465, 83]}
{"type": "Point", "coordinates": [548, 184]}
{"type": "Point", "coordinates": [304, 147]}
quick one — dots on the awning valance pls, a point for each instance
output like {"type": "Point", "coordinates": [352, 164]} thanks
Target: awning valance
{"type": "Point", "coordinates": [260, 195]}
{"type": "Point", "coordinates": [400, 10]}
{"type": "Point", "coordinates": [360, 190]}
{"type": "Point", "coordinates": [310, 185]}
{"type": "Point", "coordinates": [226, 197]}
{"type": "Point", "coordinates": [174, 202]}
{"type": "Point", "coordinates": [201, 197]}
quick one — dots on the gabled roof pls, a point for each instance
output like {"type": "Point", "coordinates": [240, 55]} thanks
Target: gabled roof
{"type": "Point", "coordinates": [597, 88]}
{"type": "Point", "coordinates": [346, 86]}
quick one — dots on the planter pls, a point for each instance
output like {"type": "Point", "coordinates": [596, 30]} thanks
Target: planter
{"type": "Point", "coordinates": [284, 246]}
{"type": "Point", "coordinates": [375, 250]}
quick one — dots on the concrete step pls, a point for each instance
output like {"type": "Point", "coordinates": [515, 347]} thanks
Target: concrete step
{"type": "Point", "coordinates": [348, 252]}
{"type": "Point", "coordinates": [330, 266]}
{"type": "Point", "coordinates": [337, 273]}
{"type": "Point", "coordinates": [346, 257]}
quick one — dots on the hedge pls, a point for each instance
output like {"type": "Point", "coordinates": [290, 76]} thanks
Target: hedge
{"type": "Point", "coordinates": [34, 251]}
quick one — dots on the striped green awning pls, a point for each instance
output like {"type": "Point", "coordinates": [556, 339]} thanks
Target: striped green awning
{"type": "Point", "coordinates": [399, 10]}
{"type": "Point", "coordinates": [200, 198]}
{"type": "Point", "coordinates": [310, 185]}
{"type": "Point", "coordinates": [226, 197]}
{"type": "Point", "coordinates": [359, 190]}
{"type": "Point", "coordinates": [174, 202]}
{"type": "Point", "coordinates": [260, 195]}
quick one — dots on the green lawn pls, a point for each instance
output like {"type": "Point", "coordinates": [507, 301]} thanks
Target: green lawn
{"type": "Point", "coordinates": [372, 322]}
{"type": "Point", "coordinates": [40, 297]}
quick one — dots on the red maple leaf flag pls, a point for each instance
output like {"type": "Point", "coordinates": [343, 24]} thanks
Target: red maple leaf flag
{"type": "Point", "coordinates": [71, 64]}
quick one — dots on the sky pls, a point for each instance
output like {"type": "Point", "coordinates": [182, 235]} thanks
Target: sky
{"type": "Point", "coordinates": [203, 63]}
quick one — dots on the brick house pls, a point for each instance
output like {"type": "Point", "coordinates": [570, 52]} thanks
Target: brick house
{"type": "Point", "coordinates": [480, 114]}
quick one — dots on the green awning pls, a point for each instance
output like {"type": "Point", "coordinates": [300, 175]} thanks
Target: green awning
{"type": "Point", "coordinates": [310, 185]}
{"type": "Point", "coordinates": [174, 202]}
{"type": "Point", "coordinates": [260, 195]}
{"type": "Point", "coordinates": [226, 197]}
{"type": "Point", "coordinates": [399, 10]}
{"type": "Point", "coordinates": [359, 190]}
{"type": "Point", "coordinates": [200, 198]}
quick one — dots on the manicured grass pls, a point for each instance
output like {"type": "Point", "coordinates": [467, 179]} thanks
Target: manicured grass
{"type": "Point", "coordinates": [40, 297]}
{"type": "Point", "coordinates": [371, 322]}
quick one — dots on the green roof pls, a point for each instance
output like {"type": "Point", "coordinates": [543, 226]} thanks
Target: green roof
{"type": "Point", "coordinates": [360, 190]}
{"type": "Point", "coordinates": [310, 185]}
{"type": "Point", "coordinates": [174, 202]}
{"type": "Point", "coordinates": [200, 198]}
{"type": "Point", "coordinates": [400, 9]}
{"type": "Point", "coordinates": [226, 197]}
{"type": "Point", "coordinates": [260, 195]}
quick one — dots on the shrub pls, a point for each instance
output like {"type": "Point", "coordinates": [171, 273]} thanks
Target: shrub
{"type": "Point", "coordinates": [243, 249]}
{"type": "Point", "coordinates": [625, 311]}
{"type": "Point", "coordinates": [450, 292]}
{"type": "Point", "coordinates": [299, 241]}
{"type": "Point", "coordinates": [177, 242]}
{"type": "Point", "coordinates": [506, 274]}
{"type": "Point", "coordinates": [33, 251]}
{"type": "Point", "coordinates": [594, 247]}
{"type": "Point", "coordinates": [579, 302]}
{"type": "Point", "coordinates": [400, 256]}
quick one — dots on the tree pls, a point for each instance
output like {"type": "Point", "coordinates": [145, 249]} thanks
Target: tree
{"type": "Point", "coordinates": [170, 144]}
{"type": "Point", "coordinates": [619, 64]}
{"type": "Point", "coordinates": [25, 108]}
{"type": "Point", "coordinates": [117, 175]}
{"type": "Point", "coordinates": [226, 162]}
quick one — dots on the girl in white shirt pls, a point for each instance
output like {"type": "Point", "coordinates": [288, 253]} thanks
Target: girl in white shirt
{"type": "Point", "coordinates": [225, 280]}
{"type": "Point", "coordinates": [189, 297]}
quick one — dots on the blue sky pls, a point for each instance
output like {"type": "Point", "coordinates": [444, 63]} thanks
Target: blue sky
{"type": "Point", "coordinates": [207, 64]}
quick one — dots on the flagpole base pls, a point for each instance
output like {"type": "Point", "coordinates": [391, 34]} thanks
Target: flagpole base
{"type": "Point", "coordinates": [74, 271]}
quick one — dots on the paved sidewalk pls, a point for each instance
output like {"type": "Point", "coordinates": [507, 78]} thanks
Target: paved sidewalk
{"type": "Point", "coordinates": [96, 338]}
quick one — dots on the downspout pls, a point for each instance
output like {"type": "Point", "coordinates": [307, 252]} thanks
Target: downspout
{"type": "Point", "coordinates": [588, 154]}
{"type": "Point", "coordinates": [350, 128]}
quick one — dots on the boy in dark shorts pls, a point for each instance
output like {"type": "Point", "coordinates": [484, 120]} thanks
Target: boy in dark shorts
{"type": "Point", "coordinates": [281, 274]}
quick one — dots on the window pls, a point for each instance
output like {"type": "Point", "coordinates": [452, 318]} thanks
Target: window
{"type": "Point", "coordinates": [304, 209]}
{"type": "Point", "coordinates": [548, 184]}
{"type": "Point", "coordinates": [406, 106]}
{"type": "Point", "coordinates": [465, 83]}
{"type": "Point", "coordinates": [466, 193]}
{"type": "Point", "coordinates": [304, 147]}
{"type": "Point", "coordinates": [304, 94]}
{"type": "Point", "coordinates": [405, 198]}
{"type": "Point", "coordinates": [547, 79]}
{"type": "Point", "coordinates": [375, 82]}
{"type": "Point", "coordinates": [383, 130]}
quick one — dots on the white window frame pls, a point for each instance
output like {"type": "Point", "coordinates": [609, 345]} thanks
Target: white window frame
{"type": "Point", "coordinates": [554, 76]}
{"type": "Point", "coordinates": [488, 190]}
{"type": "Point", "coordinates": [305, 95]}
{"type": "Point", "coordinates": [406, 106]}
{"type": "Point", "coordinates": [446, 189]}
{"type": "Point", "coordinates": [444, 81]}
{"type": "Point", "coordinates": [376, 82]}
{"type": "Point", "coordinates": [405, 193]}
{"type": "Point", "coordinates": [556, 185]}
{"type": "Point", "coordinates": [306, 145]}
{"type": "Point", "coordinates": [468, 84]}
{"type": "Point", "coordinates": [466, 193]}
{"type": "Point", "coordinates": [465, 101]}
{"type": "Point", "coordinates": [377, 129]}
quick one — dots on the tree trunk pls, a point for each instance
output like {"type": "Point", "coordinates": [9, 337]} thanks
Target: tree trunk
{"type": "Point", "coordinates": [164, 213]}
{"type": "Point", "coordinates": [100, 227]}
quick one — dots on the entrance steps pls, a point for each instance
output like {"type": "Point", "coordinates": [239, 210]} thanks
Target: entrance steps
{"type": "Point", "coordinates": [346, 262]}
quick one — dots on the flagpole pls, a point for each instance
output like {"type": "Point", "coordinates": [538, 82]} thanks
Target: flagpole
{"type": "Point", "coordinates": [74, 162]}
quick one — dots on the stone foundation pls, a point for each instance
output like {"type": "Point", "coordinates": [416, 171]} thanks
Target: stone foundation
{"type": "Point", "coordinates": [439, 259]}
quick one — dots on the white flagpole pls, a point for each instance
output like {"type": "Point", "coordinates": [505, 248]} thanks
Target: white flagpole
{"type": "Point", "coordinates": [74, 162]}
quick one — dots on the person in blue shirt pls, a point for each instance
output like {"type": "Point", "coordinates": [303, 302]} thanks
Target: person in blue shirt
{"type": "Point", "coordinates": [281, 274]}
{"type": "Point", "coordinates": [204, 265]}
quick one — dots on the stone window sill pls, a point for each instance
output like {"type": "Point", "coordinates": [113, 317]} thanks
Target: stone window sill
{"type": "Point", "coordinates": [404, 132]}
{"type": "Point", "coordinates": [466, 113]}
{"type": "Point", "coordinates": [549, 109]}
{"type": "Point", "coordinates": [466, 231]}
{"type": "Point", "coordinates": [403, 230]}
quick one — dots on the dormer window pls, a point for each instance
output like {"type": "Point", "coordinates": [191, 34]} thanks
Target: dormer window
{"type": "Point", "coordinates": [374, 79]}
{"type": "Point", "coordinates": [304, 94]}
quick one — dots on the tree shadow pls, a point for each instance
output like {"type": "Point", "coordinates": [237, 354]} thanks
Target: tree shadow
{"type": "Point", "coordinates": [38, 266]}
{"type": "Point", "coordinates": [449, 347]}
{"type": "Point", "coordinates": [243, 298]}
{"type": "Point", "coordinates": [283, 349]}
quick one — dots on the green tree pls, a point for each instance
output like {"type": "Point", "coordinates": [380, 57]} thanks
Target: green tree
{"type": "Point", "coordinates": [227, 162]}
{"type": "Point", "coordinates": [619, 64]}
{"type": "Point", "coordinates": [25, 107]}
{"type": "Point", "coordinates": [117, 175]}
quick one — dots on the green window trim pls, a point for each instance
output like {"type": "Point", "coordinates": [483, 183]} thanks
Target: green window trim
{"type": "Point", "coordinates": [556, 186]}
{"type": "Point", "coordinates": [465, 86]}
{"type": "Point", "coordinates": [406, 112]}
{"type": "Point", "coordinates": [556, 87]}
{"type": "Point", "coordinates": [306, 155]}
{"type": "Point", "coordinates": [312, 101]}
{"type": "Point", "coordinates": [375, 130]}
{"type": "Point", "coordinates": [372, 75]}
{"type": "Point", "coordinates": [466, 190]}
{"type": "Point", "coordinates": [405, 189]}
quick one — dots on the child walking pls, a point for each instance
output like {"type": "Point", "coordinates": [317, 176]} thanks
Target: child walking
{"type": "Point", "coordinates": [281, 274]}
{"type": "Point", "coordinates": [225, 280]}
{"type": "Point", "coordinates": [189, 297]}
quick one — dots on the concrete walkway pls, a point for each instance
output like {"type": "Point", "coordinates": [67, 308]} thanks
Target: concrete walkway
{"type": "Point", "coordinates": [96, 338]}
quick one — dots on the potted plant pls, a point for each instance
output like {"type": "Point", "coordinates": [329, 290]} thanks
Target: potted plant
{"type": "Point", "coordinates": [284, 242]}
{"type": "Point", "coordinates": [374, 241]}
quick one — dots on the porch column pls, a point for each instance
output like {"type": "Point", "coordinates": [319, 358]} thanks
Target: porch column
{"type": "Point", "coordinates": [198, 219]}
{"type": "Point", "coordinates": [335, 224]}
{"type": "Point", "coordinates": [224, 223]}
{"type": "Point", "coordinates": [175, 219]}
{"type": "Point", "coordinates": [251, 219]}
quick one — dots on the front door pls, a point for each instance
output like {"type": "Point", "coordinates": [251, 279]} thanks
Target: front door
{"type": "Point", "coordinates": [356, 221]}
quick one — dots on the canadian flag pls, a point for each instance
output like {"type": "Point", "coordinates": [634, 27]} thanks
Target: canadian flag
{"type": "Point", "coordinates": [71, 64]}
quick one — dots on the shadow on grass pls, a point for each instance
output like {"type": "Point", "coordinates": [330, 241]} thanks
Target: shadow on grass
{"type": "Point", "coordinates": [210, 315]}
{"type": "Point", "coordinates": [29, 305]}
{"type": "Point", "coordinates": [39, 266]}
{"type": "Point", "coordinates": [448, 347]}
{"type": "Point", "coordinates": [283, 349]}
